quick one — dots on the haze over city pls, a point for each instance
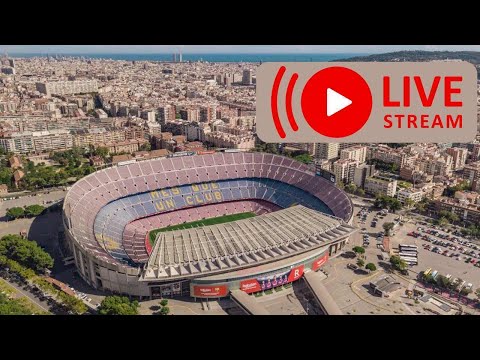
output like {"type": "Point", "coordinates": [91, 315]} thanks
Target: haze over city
{"type": "Point", "coordinates": [249, 49]}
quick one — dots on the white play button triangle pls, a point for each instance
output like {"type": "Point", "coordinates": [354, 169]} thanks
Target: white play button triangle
{"type": "Point", "coordinates": [336, 102]}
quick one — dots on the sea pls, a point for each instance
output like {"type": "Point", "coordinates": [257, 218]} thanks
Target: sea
{"type": "Point", "coordinates": [217, 57]}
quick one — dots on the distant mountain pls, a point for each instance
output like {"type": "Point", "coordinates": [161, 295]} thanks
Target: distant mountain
{"type": "Point", "coordinates": [400, 56]}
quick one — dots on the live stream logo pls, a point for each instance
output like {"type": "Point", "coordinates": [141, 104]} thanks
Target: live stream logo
{"type": "Point", "coordinates": [367, 102]}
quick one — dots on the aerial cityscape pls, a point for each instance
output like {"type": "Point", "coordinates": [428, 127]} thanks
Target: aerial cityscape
{"type": "Point", "coordinates": [137, 185]}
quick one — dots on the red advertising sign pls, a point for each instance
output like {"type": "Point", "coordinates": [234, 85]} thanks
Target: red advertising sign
{"type": "Point", "coordinates": [319, 262]}
{"type": "Point", "coordinates": [250, 286]}
{"type": "Point", "coordinates": [271, 281]}
{"type": "Point", "coordinates": [296, 273]}
{"type": "Point", "coordinates": [210, 291]}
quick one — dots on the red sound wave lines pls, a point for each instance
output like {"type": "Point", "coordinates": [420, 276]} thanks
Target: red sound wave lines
{"type": "Point", "coordinates": [288, 102]}
{"type": "Point", "coordinates": [274, 102]}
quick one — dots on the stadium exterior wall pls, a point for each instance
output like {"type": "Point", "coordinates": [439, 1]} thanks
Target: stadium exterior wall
{"type": "Point", "coordinates": [123, 279]}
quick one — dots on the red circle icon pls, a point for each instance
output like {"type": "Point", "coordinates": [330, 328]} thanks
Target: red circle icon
{"type": "Point", "coordinates": [336, 102]}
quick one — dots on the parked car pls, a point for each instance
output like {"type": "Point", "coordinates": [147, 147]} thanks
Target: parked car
{"type": "Point", "coordinates": [352, 266]}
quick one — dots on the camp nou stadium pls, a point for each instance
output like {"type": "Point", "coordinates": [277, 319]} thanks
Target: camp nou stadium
{"type": "Point", "coordinates": [204, 225]}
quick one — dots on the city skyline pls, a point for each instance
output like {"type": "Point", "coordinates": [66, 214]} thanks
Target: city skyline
{"type": "Point", "coordinates": [225, 49]}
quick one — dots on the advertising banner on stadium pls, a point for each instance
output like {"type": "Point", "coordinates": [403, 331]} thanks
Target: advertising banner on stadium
{"type": "Point", "coordinates": [271, 281]}
{"type": "Point", "coordinates": [319, 262]}
{"type": "Point", "coordinates": [210, 291]}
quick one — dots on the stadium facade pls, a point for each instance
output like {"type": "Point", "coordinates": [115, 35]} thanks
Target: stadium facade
{"type": "Point", "coordinates": [302, 220]}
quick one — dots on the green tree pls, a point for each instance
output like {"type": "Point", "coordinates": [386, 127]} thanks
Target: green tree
{"type": "Point", "coordinates": [421, 206]}
{"type": "Point", "coordinates": [429, 279]}
{"type": "Point", "coordinates": [465, 291]}
{"type": "Point", "coordinates": [118, 305]}
{"type": "Point", "coordinates": [145, 147]}
{"type": "Point", "coordinates": [360, 192]}
{"type": "Point", "coordinates": [304, 158]}
{"type": "Point", "coordinates": [450, 191]}
{"type": "Point", "coordinates": [102, 152]}
{"type": "Point", "coordinates": [6, 176]}
{"type": "Point", "coordinates": [442, 281]}
{"type": "Point", "coordinates": [34, 210]}
{"type": "Point", "coordinates": [371, 267]}
{"type": "Point", "coordinates": [409, 203]}
{"type": "Point", "coordinates": [351, 188]}
{"type": "Point", "coordinates": [360, 262]}
{"type": "Point", "coordinates": [398, 263]}
{"type": "Point", "coordinates": [443, 221]}
{"type": "Point", "coordinates": [395, 205]}
{"type": "Point", "coordinates": [388, 227]}
{"type": "Point", "coordinates": [164, 302]}
{"type": "Point", "coordinates": [15, 213]}
{"type": "Point", "coordinates": [26, 252]}
{"type": "Point", "coordinates": [358, 250]}
{"type": "Point", "coordinates": [12, 306]}
{"type": "Point", "coordinates": [165, 310]}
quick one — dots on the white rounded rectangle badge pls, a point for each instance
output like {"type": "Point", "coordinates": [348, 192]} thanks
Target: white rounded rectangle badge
{"type": "Point", "coordinates": [367, 102]}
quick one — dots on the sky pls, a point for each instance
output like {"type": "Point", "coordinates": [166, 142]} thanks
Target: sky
{"type": "Point", "coordinates": [222, 49]}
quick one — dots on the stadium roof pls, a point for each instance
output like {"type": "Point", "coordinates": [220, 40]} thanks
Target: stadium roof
{"type": "Point", "coordinates": [244, 243]}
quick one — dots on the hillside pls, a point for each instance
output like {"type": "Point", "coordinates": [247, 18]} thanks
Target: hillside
{"type": "Point", "coordinates": [470, 56]}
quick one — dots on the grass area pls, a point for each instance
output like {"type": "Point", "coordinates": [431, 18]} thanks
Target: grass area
{"type": "Point", "coordinates": [199, 223]}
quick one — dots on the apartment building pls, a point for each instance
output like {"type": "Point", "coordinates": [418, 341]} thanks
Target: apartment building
{"type": "Point", "coordinates": [380, 185]}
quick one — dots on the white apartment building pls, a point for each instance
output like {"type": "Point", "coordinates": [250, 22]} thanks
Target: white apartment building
{"type": "Point", "coordinates": [67, 87]}
{"type": "Point", "coordinates": [381, 185]}
{"type": "Point", "coordinates": [326, 151]}
{"type": "Point", "coordinates": [344, 170]}
{"type": "Point", "coordinates": [37, 141]}
{"type": "Point", "coordinates": [459, 156]}
{"type": "Point", "coordinates": [413, 194]}
{"type": "Point", "coordinates": [358, 153]}
{"type": "Point", "coordinates": [58, 139]}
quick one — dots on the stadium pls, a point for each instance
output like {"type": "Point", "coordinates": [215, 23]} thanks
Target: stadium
{"type": "Point", "coordinates": [204, 225]}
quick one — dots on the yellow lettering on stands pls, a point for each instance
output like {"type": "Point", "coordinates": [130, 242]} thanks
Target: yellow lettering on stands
{"type": "Point", "coordinates": [165, 193]}
{"type": "Point", "coordinates": [198, 199]}
{"type": "Point", "coordinates": [218, 195]}
{"type": "Point", "coordinates": [208, 197]}
{"type": "Point", "coordinates": [189, 200]}
{"type": "Point", "coordinates": [159, 206]}
{"type": "Point", "coordinates": [170, 203]}
{"type": "Point", "coordinates": [175, 191]}
{"type": "Point", "coordinates": [215, 186]}
{"type": "Point", "coordinates": [195, 187]}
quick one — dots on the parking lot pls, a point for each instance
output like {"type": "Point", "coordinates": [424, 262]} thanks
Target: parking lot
{"type": "Point", "coordinates": [444, 264]}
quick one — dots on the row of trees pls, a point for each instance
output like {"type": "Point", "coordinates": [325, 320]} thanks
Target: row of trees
{"type": "Point", "coordinates": [444, 283]}
{"type": "Point", "coordinates": [118, 305]}
{"type": "Point", "coordinates": [272, 148]}
{"type": "Point", "coordinates": [450, 191]}
{"type": "Point", "coordinates": [25, 252]}
{"type": "Point", "coordinates": [122, 305]}
{"type": "Point", "coordinates": [354, 189]}
{"type": "Point", "coordinates": [387, 202]}
{"type": "Point", "coordinates": [446, 217]}
{"type": "Point", "coordinates": [27, 274]}
{"type": "Point", "coordinates": [27, 211]}
{"type": "Point", "coordinates": [384, 166]}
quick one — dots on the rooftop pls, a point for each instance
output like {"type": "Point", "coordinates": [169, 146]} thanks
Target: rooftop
{"type": "Point", "coordinates": [244, 243]}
